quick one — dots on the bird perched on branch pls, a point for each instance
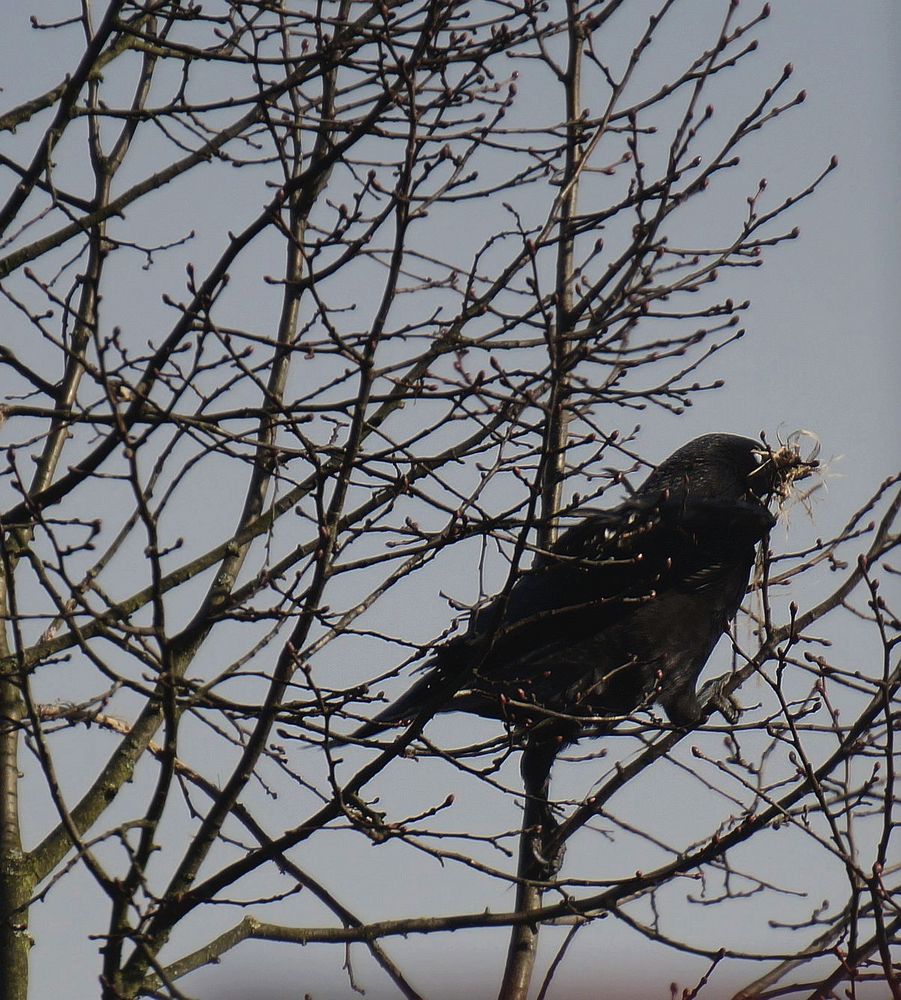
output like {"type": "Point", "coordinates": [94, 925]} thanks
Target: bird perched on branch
{"type": "Point", "coordinates": [625, 608]}
{"type": "Point", "coordinates": [622, 611]}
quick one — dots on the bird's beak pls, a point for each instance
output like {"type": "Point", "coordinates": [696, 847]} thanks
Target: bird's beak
{"type": "Point", "coordinates": [779, 470]}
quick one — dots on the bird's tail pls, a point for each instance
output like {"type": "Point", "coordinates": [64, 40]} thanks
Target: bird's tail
{"type": "Point", "coordinates": [427, 693]}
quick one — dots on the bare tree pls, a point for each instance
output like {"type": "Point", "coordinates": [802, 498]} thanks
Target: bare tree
{"type": "Point", "coordinates": [309, 312]}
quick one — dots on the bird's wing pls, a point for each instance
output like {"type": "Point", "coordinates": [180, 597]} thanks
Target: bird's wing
{"type": "Point", "coordinates": [596, 575]}
{"type": "Point", "coordinates": [632, 553]}
{"type": "Point", "coordinates": [582, 612]}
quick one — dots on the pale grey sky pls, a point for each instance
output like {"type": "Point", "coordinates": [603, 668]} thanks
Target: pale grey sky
{"type": "Point", "coordinates": [822, 353]}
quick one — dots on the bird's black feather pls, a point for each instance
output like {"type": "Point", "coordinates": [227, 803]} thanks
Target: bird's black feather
{"type": "Point", "coordinates": [624, 610]}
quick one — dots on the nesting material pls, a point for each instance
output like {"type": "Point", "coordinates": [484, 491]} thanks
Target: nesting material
{"type": "Point", "coordinates": [796, 459]}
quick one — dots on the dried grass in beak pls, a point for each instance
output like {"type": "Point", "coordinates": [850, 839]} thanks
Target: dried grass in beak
{"type": "Point", "coordinates": [794, 460]}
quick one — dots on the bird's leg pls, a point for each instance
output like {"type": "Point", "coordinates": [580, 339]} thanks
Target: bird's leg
{"type": "Point", "coordinates": [687, 709]}
{"type": "Point", "coordinates": [716, 696]}
{"type": "Point", "coordinates": [539, 823]}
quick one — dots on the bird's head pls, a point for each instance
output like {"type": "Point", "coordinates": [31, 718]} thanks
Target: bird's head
{"type": "Point", "coordinates": [729, 467]}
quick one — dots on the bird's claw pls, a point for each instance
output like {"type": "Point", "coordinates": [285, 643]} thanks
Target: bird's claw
{"type": "Point", "coordinates": [366, 819]}
{"type": "Point", "coordinates": [715, 696]}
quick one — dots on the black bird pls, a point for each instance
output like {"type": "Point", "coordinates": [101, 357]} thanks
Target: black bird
{"type": "Point", "coordinates": [626, 607]}
{"type": "Point", "coordinates": [623, 611]}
